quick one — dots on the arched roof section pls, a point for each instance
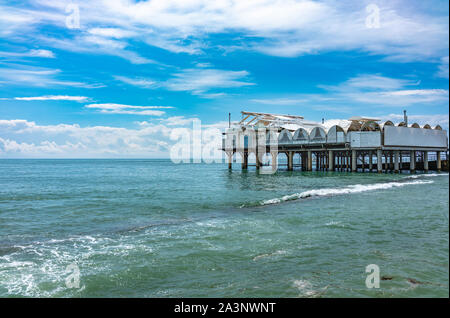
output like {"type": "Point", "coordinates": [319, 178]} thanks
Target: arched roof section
{"type": "Point", "coordinates": [301, 136]}
{"type": "Point", "coordinates": [335, 128]}
{"type": "Point", "coordinates": [401, 124]}
{"type": "Point", "coordinates": [285, 137]}
{"type": "Point", "coordinates": [386, 123]}
{"type": "Point", "coordinates": [426, 126]}
{"type": "Point", "coordinates": [317, 135]}
{"type": "Point", "coordinates": [335, 134]}
{"type": "Point", "coordinates": [370, 126]}
{"type": "Point", "coordinates": [415, 125]}
{"type": "Point", "coordinates": [438, 127]}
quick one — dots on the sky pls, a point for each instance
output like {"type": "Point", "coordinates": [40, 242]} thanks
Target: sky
{"type": "Point", "coordinates": [120, 78]}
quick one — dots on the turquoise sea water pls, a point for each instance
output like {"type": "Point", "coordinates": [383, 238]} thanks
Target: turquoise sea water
{"type": "Point", "coordinates": [151, 228]}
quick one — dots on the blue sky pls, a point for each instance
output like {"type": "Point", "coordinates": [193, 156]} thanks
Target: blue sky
{"type": "Point", "coordinates": [118, 80]}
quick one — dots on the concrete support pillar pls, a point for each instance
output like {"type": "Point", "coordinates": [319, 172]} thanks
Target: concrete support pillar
{"type": "Point", "coordinates": [412, 162]}
{"type": "Point", "coordinates": [396, 159]}
{"type": "Point", "coordinates": [438, 161]}
{"type": "Point", "coordinates": [258, 161]}
{"type": "Point", "coordinates": [309, 161]}
{"type": "Point", "coordinates": [346, 161]}
{"type": "Point", "coordinates": [370, 161]}
{"type": "Point", "coordinates": [274, 155]}
{"type": "Point", "coordinates": [244, 160]}
{"type": "Point", "coordinates": [290, 156]}
{"type": "Point", "coordinates": [386, 162]}
{"type": "Point", "coordinates": [363, 161]}
{"type": "Point", "coordinates": [317, 154]}
{"type": "Point", "coordinates": [230, 160]}
{"type": "Point", "coordinates": [322, 161]}
{"type": "Point", "coordinates": [330, 160]}
{"type": "Point", "coordinates": [425, 160]}
{"type": "Point", "coordinates": [318, 161]}
{"type": "Point", "coordinates": [379, 163]}
{"type": "Point", "coordinates": [353, 160]}
{"type": "Point", "coordinates": [303, 158]}
{"type": "Point", "coordinates": [391, 160]}
{"type": "Point", "coordinates": [343, 155]}
{"type": "Point", "coordinates": [401, 161]}
{"type": "Point", "coordinates": [349, 161]}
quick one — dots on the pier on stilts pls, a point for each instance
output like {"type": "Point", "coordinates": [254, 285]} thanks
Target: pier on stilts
{"type": "Point", "coordinates": [356, 144]}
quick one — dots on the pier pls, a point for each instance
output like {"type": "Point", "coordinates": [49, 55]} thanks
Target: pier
{"type": "Point", "coordinates": [356, 144]}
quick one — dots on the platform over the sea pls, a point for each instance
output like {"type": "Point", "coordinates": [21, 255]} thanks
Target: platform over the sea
{"type": "Point", "coordinates": [348, 144]}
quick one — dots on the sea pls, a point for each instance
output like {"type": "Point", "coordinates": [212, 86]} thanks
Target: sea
{"type": "Point", "coordinates": [153, 228]}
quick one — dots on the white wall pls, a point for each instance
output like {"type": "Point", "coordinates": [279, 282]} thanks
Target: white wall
{"type": "Point", "coordinates": [414, 137]}
{"type": "Point", "coordinates": [363, 139]}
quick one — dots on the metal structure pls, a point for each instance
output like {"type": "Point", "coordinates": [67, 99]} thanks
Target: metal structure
{"type": "Point", "coordinates": [355, 144]}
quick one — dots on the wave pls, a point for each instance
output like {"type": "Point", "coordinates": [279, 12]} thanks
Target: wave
{"type": "Point", "coordinates": [279, 252]}
{"type": "Point", "coordinates": [357, 188]}
{"type": "Point", "coordinates": [427, 175]}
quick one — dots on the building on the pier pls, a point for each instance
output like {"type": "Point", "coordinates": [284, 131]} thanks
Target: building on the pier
{"type": "Point", "coordinates": [354, 144]}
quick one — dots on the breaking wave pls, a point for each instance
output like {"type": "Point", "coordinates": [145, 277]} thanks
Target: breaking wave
{"type": "Point", "coordinates": [416, 176]}
{"type": "Point", "coordinates": [357, 188]}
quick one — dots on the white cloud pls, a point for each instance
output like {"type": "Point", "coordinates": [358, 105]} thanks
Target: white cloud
{"type": "Point", "coordinates": [443, 68]}
{"type": "Point", "coordinates": [41, 53]}
{"type": "Point", "coordinates": [385, 91]}
{"type": "Point", "coordinates": [280, 101]}
{"type": "Point", "coordinates": [418, 92]}
{"type": "Point", "coordinates": [432, 120]}
{"type": "Point", "coordinates": [174, 121]}
{"type": "Point", "coordinates": [54, 97]}
{"type": "Point", "coordinates": [281, 28]}
{"type": "Point", "coordinates": [204, 64]}
{"type": "Point", "coordinates": [24, 139]}
{"type": "Point", "coordinates": [177, 121]}
{"type": "Point", "coordinates": [74, 141]}
{"type": "Point", "coordinates": [371, 82]}
{"type": "Point", "coordinates": [198, 81]}
{"type": "Point", "coordinates": [111, 32]}
{"type": "Point", "coordinates": [85, 42]}
{"type": "Point", "coordinates": [110, 108]}
{"type": "Point", "coordinates": [365, 89]}
{"type": "Point", "coordinates": [30, 53]}
{"type": "Point", "coordinates": [37, 76]}
{"type": "Point", "coordinates": [139, 82]}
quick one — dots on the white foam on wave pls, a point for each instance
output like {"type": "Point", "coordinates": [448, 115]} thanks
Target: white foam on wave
{"type": "Point", "coordinates": [427, 175]}
{"type": "Point", "coordinates": [307, 289]}
{"type": "Point", "coordinates": [279, 252]}
{"type": "Point", "coordinates": [45, 275]}
{"type": "Point", "coordinates": [334, 223]}
{"type": "Point", "coordinates": [357, 188]}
